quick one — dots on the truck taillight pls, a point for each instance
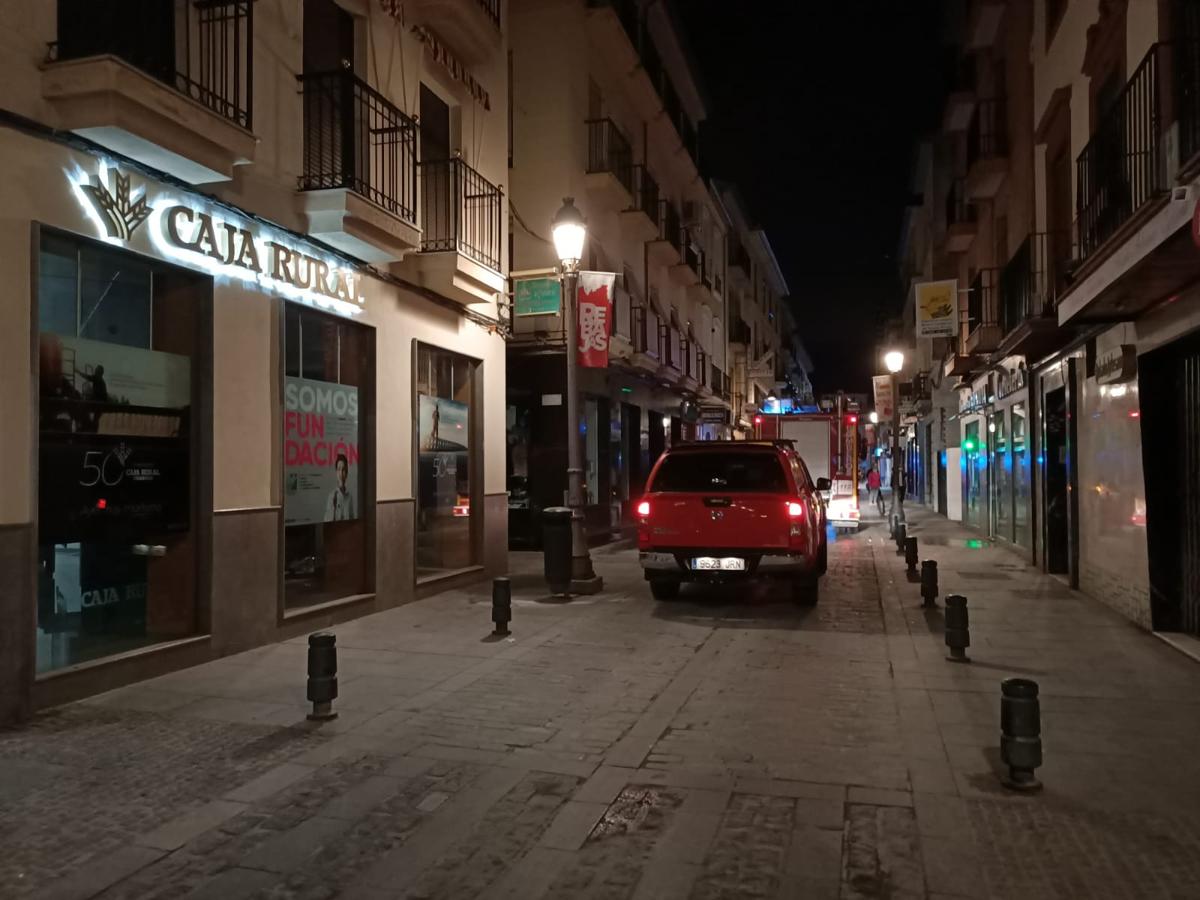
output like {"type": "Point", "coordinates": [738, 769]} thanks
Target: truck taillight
{"type": "Point", "coordinates": [643, 509]}
{"type": "Point", "coordinates": [795, 510]}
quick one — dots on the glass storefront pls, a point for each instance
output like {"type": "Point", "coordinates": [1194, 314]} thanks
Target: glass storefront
{"type": "Point", "coordinates": [1021, 478]}
{"type": "Point", "coordinates": [445, 405]}
{"type": "Point", "coordinates": [327, 362]}
{"type": "Point", "coordinates": [118, 385]}
{"type": "Point", "coordinates": [974, 462]}
{"type": "Point", "coordinates": [1001, 476]}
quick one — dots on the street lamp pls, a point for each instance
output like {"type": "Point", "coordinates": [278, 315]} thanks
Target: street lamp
{"type": "Point", "coordinates": [570, 230]}
{"type": "Point", "coordinates": [894, 361]}
{"type": "Point", "coordinates": [874, 417]}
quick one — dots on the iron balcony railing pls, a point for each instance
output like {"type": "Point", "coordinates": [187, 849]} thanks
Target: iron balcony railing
{"type": "Point", "coordinates": [669, 227]}
{"type": "Point", "coordinates": [983, 300]}
{"type": "Point", "coordinates": [668, 342]}
{"type": "Point", "coordinates": [609, 151]}
{"type": "Point", "coordinates": [201, 48]}
{"type": "Point", "coordinates": [686, 355]}
{"type": "Point", "coordinates": [1121, 168]}
{"type": "Point", "coordinates": [1028, 283]}
{"type": "Point", "coordinates": [702, 368]}
{"type": "Point", "coordinates": [645, 192]}
{"type": "Point", "coordinates": [1187, 79]}
{"type": "Point", "coordinates": [461, 211]}
{"type": "Point", "coordinates": [492, 8]}
{"type": "Point", "coordinates": [959, 209]}
{"type": "Point", "coordinates": [693, 256]}
{"type": "Point", "coordinates": [355, 138]}
{"type": "Point", "coordinates": [987, 135]}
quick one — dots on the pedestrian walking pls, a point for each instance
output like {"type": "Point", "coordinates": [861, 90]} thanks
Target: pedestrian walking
{"type": "Point", "coordinates": [873, 485]}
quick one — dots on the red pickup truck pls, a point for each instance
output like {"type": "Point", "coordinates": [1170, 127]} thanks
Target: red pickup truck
{"type": "Point", "coordinates": [727, 511]}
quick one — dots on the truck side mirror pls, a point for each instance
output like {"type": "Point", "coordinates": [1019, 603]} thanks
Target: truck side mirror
{"type": "Point", "coordinates": [824, 484]}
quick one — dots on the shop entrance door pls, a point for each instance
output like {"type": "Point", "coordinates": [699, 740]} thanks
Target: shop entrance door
{"type": "Point", "coordinates": [1058, 532]}
{"type": "Point", "coordinates": [1170, 413]}
{"type": "Point", "coordinates": [941, 482]}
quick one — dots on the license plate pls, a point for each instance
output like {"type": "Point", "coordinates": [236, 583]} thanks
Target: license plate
{"type": "Point", "coordinates": [719, 564]}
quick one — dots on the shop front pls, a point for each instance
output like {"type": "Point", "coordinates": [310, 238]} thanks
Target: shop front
{"type": "Point", "coordinates": [974, 418]}
{"type": "Point", "coordinates": [1010, 457]}
{"type": "Point", "coordinates": [220, 432]}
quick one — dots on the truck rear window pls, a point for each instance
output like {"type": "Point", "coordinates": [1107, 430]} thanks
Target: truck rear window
{"type": "Point", "coordinates": [698, 473]}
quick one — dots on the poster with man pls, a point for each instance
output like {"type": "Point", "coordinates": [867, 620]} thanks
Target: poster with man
{"type": "Point", "coordinates": [442, 438]}
{"type": "Point", "coordinates": [320, 452]}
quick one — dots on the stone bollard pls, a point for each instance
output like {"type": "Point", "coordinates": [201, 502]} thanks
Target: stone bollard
{"type": "Point", "coordinates": [958, 634]}
{"type": "Point", "coordinates": [901, 537]}
{"type": "Point", "coordinates": [910, 555]}
{"type": "Point", "coordinates": [501, 605]}
{"type": "Point", "coordinates": [322, 675]}
{"type": "Point", "coordinates": [1020, 732]}
{"type": "Point", "coordinates": [929, 583]}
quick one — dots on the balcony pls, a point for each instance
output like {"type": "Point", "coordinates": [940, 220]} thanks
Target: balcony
{"type": "Point", "coordinates": [961, 219]}
{"type": "Point", "coordinates": [960, 103]}
{"type": "Point", "coordinates": [689, 271]}
{"type": "Point", "coordinates": [646, 339]}
{"type": "Point", "coordinates": [469, 27]}
{"type": "Point", "coordinates": [640, 220]}
{"type": "Point", "coordinates": [1121, 169]}
{"type": "Point", "coordinates": [1029, 287]}
{"type": "Point", "coordinates": [616, 26]}
{"type": "Point", "coordinates": [358, 182]}
{"type": "Point", "coordinates": [983, 312]}
{"type": "Point", "coordinates": [739, 263]}
{"type": "Point", "coordinates": [671, 358]}
{"type": "Point", "coordinates": [987, 149]}
{"type": "Point", "coordinates": [667, 247]}
{"type": "Point", "coordinates": [460, 244]}
{"type": "Point", "coordinates": [959, 361]}
{"type": "Point", "coordinates": [739, 332]}
{"type": "Point", "coordinates": [171, 87]}
{"type": "Point", "coordinates": [609, 177]}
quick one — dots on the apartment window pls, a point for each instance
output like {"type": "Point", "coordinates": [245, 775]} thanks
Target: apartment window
{"type": "Point", "coordinates": [118, 360]}
{"type": "Point", "coordinates": [326, 396]}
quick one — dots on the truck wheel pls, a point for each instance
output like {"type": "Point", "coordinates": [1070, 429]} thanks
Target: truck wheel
{"type": "Point", "coordinates": [805, 590]}
{"type": "Point", "coordinates": [664, 588]}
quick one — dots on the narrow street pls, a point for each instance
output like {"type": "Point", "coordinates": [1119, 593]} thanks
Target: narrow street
{"type": "Point", "coordinates": [714, 746]}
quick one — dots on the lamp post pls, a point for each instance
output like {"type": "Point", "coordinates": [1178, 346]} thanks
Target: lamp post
{"type": "Point", "coordinates": [894, 361]}
{"type": "Point", "coordinates": [570, 231]}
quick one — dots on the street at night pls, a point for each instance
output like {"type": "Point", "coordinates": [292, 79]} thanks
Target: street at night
{"type": "Point", "coordinates": [614, 746]}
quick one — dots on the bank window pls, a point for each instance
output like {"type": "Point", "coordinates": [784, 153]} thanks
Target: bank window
{"type": "Point", "coordinates": [117, 362]}
{"type": "Point", "coordinates": [446, 495]}
{"type": "Point", "coordinates": [325, 400]}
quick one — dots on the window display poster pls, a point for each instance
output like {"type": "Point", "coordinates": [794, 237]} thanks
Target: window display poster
{"type": "Point", "coordinates": [320, 452]}
{"type": "Point", "coordinates": [100, 372]}
{"type": "Point", "coordinates": [442, 436]}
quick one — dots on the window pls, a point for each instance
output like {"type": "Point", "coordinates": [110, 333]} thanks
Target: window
{"type": "Point", "coordinates": [446, 493]}
{"type": "Point", "coordinates": [117, 356]}
{"type": "Point", "coordinates": [326, 396]}
{"type": "Point", "coordinates": [753, 472]}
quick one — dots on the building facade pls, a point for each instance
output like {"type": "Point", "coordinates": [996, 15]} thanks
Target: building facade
{"type": "Point", "coordinates": [606, 107]}
{"type": "Point", "coordinates": [1069, 224]}
{"type": "Point", "coordinates": [252, 357]}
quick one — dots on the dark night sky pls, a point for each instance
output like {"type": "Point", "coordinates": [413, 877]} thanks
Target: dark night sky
{"type": "Point", "coordinates": [815, 110]}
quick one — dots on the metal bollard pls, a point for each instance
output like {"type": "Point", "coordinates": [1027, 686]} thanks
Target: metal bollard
{"type": "Point", "coordinates": [322, 675]}
{"type": "Point", "coordinates": [501, 605]}
{"type": "Point", "coordinates": [901, 537]}
{"type": "Point", "coordinates": [910, 555]}
{"type": "Point", "coordinates": [929, 583]}
{"type": "Point", "coordinates": [958, 633]}
{"type": "Point", "coordinates": [1020, 732]}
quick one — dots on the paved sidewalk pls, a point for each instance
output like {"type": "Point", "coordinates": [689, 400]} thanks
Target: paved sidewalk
{"type": "Point", "coordinates": [714, 746]}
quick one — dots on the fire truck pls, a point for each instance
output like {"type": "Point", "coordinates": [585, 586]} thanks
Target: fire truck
{"type": "Point", "coordinates": [828, 444]}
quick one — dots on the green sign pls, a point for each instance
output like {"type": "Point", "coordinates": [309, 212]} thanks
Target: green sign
{"type": "Point", "coordinates": [537, 297]}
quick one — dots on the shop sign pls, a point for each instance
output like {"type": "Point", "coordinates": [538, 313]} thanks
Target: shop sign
{"type": "Point", "coordinates": [595, 317]}
{"type": "Point", "coordinates": [204, 236]}
{"type": "Point", "coordinates": [973, 401]}
{"type": "Point", "coordinates": [714, 415]}
{"type": "Point", "coordinates": [537, 297]}
{"type": "Point", "coordinates": [1116, 364]}
{"type": "Point", "coordinates": [1010, 381]}
{"type": "Point", "coordinates": [320, 452]}
{"type": "Point", "coordinates": [937, 309]}
{"type": "Point", "coordinates": [453, 65]}
{"type": "Point", "coordinates": [884, 400]}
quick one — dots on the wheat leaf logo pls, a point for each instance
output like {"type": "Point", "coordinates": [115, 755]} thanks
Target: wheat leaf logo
{"type": "Point", "coordinates": [121, 215]}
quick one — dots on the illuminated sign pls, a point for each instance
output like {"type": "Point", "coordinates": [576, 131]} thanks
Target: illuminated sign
{"type": "Point", "coordinates": [202, 235]}
{"type": "Point", "coordinates": [1116, 364]}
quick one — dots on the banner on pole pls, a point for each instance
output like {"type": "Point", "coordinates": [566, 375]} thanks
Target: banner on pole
{"type": "Point", "coordinates": [595, 308]}
{"type": "Point", "coordinates": [884, 401]}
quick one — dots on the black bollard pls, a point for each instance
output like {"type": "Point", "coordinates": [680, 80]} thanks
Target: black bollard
{"type": "Point", "coordinates": [910, 555]}
{"type": "Point", "coordinates": [929, 583]}
{"type": "Point", "coordinates": [322, 675]}
{"type": "Point", "coordinates": [501, 605]}
{"type": "Point", "coordinates": [1020, 732]}
{"type": "Point", "coordinates": [901, 537]}
{"type": "Point", "coordinates": [958, 634]}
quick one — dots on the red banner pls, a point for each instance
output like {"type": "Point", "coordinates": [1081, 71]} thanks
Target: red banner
{"type": "Point", "coordinates": [595, 317]}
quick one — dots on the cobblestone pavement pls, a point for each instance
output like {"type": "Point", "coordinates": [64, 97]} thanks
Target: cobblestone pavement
{"type": "Point", "coordinates": [720, 745]}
